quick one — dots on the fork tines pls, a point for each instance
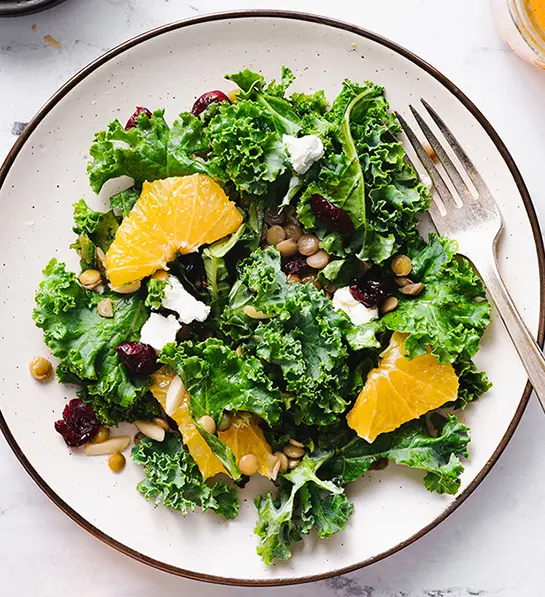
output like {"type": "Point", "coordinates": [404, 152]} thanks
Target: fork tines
{"type": "Point", "coordinates": [439, 155]}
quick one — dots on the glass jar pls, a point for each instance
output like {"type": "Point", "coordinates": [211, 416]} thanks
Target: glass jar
{"type": "Point", "coordinates": [522, 26]}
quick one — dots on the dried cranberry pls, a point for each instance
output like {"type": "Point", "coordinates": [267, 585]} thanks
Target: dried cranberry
{"type": "Point", "coordinates": [332, 215]}
{"type": "Point", "coordinates": [206, 99]}
{"type": "Point", "coordinates": [372, 287]}
{"type": "Point", "coordinates": [131, 123]}
{"type": "Point", "coordinates": [79, 423]}
{"type": "Point", "coordinates": [296, 266]}
{"type": "Point", "coordinates": [138, 357]}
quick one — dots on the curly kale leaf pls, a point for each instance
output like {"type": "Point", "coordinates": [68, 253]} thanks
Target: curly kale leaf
{"type": "Point", "coordinates": [217, 274]}
{"type": "Point", "coordinates": [152, 150]}
{"type": "Point", "coordinates": [271, 98]}
{"type": "Point", "coordinates": [366, 175]}
{"type": "Point", "coordinates": [472, 383]}
{"type": "Point", "coordinates": [156, 294]}
{"type": "Point", "coordinates": [411, 445]}
{"type": "Point", "coordinates": [85, 342]}
{"type": "Point", "coordinates": [124, 201]}
{"type": "Point", "coordinates": [305, 336]}
{"type": "Point", "coordinates": [217, 379]}
{"type": "Point", "coordinates": [303, 501]}
{"type": "Point", "coordinates": [172, 479]}
{"type": "Point", "coordinates": [99, 227]}
{"type": "Point", "coordinates": [246, 145]}
{"type": "Point", "coordinates": [451, 314]}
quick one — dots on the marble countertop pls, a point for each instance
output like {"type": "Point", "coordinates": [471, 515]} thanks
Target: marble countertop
{"type": "Point", "coordinates": [493, 545]}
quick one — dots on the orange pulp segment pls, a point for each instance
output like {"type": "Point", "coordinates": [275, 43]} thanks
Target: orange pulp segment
{"type": "Point", "coordinates": [243, 437]}
{"type": "Point", "coordinates": [208, 463]}
{"type": "Point", "coordinates": [400, 389]}
{"type": "Point", "coordinates": [246, 437]}
{"type": "Point", "coordinates": [180, 213]}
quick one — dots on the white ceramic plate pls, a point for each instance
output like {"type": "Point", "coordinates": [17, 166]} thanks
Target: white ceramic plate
{"type": "Point", "coordinates": [45, 174]}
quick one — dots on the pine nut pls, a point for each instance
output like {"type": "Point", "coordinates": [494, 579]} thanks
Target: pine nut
{"type": "Point", "coordinates": [412, 289]}
{"type": "Point", "coordinates": [389, 304]}
{"type": "Point", "coordinates": [106, 308]}
{"type": "Point", "coordinates": [151, 430]}
{"type": "Point", "coordinates": [110, 446]}
{"type": "Point", "coordinates": [90, 279]}
{"type": "Point", "coordinates": [127, 288]}
{"type": "Point", "coordinates": [283, 460]}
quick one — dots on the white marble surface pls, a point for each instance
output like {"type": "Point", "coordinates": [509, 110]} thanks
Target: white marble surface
{"type": "Point", "coordinates": [492, 545]}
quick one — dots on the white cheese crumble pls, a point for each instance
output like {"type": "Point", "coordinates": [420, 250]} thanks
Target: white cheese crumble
{"type": "Point", "coordinates": [158, 330]}
{"type": "Point", "coordinates": [303, 151]}
{"type": "Point", "coordinates": [177, 299]}
{"type": "Point", "coordinates": [358, 313]}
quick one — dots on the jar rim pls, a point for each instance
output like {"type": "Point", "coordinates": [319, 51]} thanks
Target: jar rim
{"type": "Point", "coordinates": [528, 26]}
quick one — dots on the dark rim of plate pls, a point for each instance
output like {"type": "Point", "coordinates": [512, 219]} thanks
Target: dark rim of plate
{"type": "Point", "coordinates": [500, 146]}
{"type": "Point", "coordinates": [17, 8]}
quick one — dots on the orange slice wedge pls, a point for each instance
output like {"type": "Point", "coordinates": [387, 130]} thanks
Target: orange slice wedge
{"type": "Point", "coordinates": [172, 215]}
{"type": "Point", "coordinates": [399, 390]}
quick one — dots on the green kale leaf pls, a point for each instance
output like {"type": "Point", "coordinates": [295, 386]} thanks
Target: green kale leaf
{"type": "Point", "coordinates": [124, 201]}
{"type": "Point", "coordinates": [451, 314]}
{"type": "Point", "coordinates": [411, 445]}
{"type": "Point", "coordinates": [99, 227]}
{"type": "Point", "coordinates": [305, 336]}
{"type": "Point", "coordinates": [156, 294]}
{"type": "Point", "coordinates": [271, 98]}
{"type": "Point", "coordinates": [365, 174]}
{"type": "Point", "coordinates": [217, 275]}
{"type": "Point", "coordinates": [246, 146]}
{"type": "Point", "coordinates": [472, 383]}
{"type": "Point", "coordinates": [303, 501]}
{"type": "Point", "coordinates": [172, 479]}
{"type": "Point", "coordinates": [85, 342]}
{"type": "Point", "coordinates": [217, 379]}
{"type": "Point", "coordinates": [152, 150]}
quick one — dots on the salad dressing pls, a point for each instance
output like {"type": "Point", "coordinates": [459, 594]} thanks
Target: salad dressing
{"type": "Point", "coordinates": [538, 10]}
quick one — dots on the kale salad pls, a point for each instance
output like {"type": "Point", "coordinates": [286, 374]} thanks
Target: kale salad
{"type": "Point", "coordinates": [260, 302]}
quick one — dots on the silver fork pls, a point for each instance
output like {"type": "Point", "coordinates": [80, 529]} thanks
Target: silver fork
{"type": "Point", "coordinates": [476, 223]}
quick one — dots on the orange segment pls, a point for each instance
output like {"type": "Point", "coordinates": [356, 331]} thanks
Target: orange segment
{"type": "Point", "coordinates": [208, 464]}
{"type": "Point", "coordinates": [174, 214]}
{"type": "Point", "coordinates": [243, 437]}
{"type": "Point", "coordinates": [399, 390]}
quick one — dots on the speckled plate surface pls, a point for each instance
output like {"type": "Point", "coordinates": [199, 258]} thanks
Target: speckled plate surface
{"type": "Point", "coordinates": [45, 174]}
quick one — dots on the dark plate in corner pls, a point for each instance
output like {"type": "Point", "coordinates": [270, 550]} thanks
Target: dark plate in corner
{"type": "Point", "coordinates": [16, 8]}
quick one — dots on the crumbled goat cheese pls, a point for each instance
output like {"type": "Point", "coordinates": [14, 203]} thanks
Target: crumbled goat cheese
{"type": "Point", "coordinates": [358, 313]}
{"type": "Point", "coordinates": [177, 299]}
{"type": "Point", "coordinates": [303, 151]}
{"type": "Point", "coordinates": [158, 330]}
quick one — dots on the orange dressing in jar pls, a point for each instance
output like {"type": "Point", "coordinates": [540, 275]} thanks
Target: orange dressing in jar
{"type": "Point", "coordinates": [538, 8]}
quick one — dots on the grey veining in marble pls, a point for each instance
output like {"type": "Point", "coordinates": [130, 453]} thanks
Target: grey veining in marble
{"type": "Point", "coordinates": [494, 544]}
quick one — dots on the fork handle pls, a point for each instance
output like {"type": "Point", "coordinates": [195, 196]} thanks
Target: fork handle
{"type": "Point", "coordinates": [530, 353]}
